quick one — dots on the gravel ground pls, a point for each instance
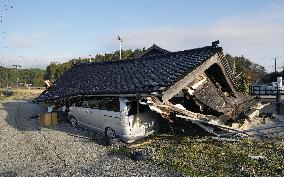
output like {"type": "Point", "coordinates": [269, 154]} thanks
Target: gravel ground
{"type": "Point", "coordinates": [27, 149]}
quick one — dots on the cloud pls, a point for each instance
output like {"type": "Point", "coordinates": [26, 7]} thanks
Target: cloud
{"type": "Point", "coordinates": [24, 40]}
{"type": "Point", "coordinates": [258, 36]}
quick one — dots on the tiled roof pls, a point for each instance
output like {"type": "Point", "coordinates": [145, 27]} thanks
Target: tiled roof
{"type": "Point", "coordinates": [155, 50]}
{"type": "Point", "coordinates": [140, 75]}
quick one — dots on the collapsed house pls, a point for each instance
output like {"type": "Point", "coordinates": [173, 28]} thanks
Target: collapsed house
{"type": "Point", "coordinates": [197, 85]}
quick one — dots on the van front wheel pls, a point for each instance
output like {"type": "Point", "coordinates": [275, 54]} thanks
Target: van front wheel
{"type": "Point", "coordinates": [110, 133]}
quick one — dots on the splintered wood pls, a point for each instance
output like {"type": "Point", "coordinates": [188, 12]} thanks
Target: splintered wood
{"type": "Point", "coordinates": [165, 109]}
{"type": "Point", "coordinates": [211, 96]}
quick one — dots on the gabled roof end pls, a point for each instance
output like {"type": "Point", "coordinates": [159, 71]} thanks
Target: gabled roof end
{"type": "Point", "coordinates": [155, 50]}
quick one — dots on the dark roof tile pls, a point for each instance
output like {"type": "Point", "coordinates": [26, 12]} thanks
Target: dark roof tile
{"type": "Point", "coordinates": [140, 75]}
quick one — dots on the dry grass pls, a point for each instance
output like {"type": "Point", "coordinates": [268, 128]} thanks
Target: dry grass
{"type": "Point", "coordinates": [210, 157]}
{"type": "Point", "coordinates": [19, 94]}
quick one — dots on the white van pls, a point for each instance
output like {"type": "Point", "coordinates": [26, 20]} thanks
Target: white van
{"type": "Point", "coordinates": [115, 118]}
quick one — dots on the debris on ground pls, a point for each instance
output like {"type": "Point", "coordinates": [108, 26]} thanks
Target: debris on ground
{"type": "Point", "coordinates": [257, 157]}
{"type": "Point", "coordinates": [267, 115]}
{"type": "Point", "coordinates": [36, 116]}
{"type": "Point", "coordinates": [146, 153]}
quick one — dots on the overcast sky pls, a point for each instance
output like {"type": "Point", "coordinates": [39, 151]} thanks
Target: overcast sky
{"type": "Point", "coordinates": [36, 32]}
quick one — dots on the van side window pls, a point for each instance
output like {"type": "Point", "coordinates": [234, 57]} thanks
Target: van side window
{"type": "Point", "coordinates": [96, 104]}
{"type": "Point", "coordinates": [85, 104]}
{"type": "Point", "coordinates": [133, 108]}
{"type": "Point", "coordinates": [111, 105]}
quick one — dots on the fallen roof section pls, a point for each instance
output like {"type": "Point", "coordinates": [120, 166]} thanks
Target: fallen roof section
{"type": "Point", "coordinates": [142, 75]}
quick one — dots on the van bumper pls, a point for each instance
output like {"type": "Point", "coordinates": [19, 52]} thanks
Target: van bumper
{"type": "Point", "coordinates": [134, 137]}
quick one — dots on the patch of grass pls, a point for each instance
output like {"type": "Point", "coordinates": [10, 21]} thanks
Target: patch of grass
{"type": "Point", "coordinates": [125, 151]}
{"type": "Point", "coordinates": [211, 157]}
{"type": "Point", "coordinates": [17, 94]}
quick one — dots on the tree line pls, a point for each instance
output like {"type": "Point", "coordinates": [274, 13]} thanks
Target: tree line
{"type": "Point", "coordinates": [245, 68]}
{"type": "Point", "coordinates": [36, 76]}
{"type": "Point", "coordinates": [252, 71]}
{"type": "Point", "coordinates": [56, 70]}
{"type": "Point", "coordinates": [10, 76]}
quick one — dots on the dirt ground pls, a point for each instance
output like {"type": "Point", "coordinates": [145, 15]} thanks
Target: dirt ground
{"type": "Point", "coordinates": [27, 149]}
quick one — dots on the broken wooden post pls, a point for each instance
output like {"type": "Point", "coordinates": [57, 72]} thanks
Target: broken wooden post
{"type": "Point", "coordinates": [138, 97]}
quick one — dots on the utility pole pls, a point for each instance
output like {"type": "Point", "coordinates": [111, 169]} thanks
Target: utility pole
{"type": "Point", "coordinates": [278, 95]}
{"type": "Point", "coordinates": [120, 44]}
{"type": "Point", "coordinates": [30, 78]}
{"type": "Point", "coordinates": [275, 64]}
{"type": "Point", "coordinates": [16, 67]}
